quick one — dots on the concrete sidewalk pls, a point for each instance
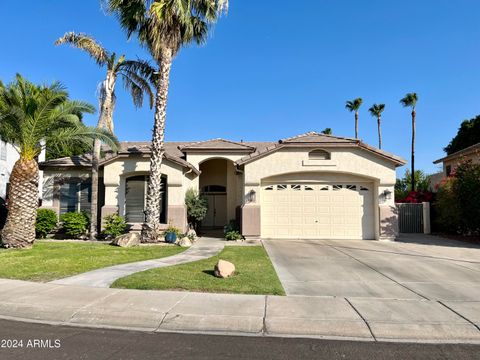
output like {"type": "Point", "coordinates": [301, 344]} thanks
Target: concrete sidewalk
{"type": "Point", "coordinates": [368, 319]}
{"type": "Point", "coordinates": [204, 248]}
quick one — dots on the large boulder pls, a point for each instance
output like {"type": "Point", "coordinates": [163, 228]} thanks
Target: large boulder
{"type": "Point", "coordinates": [184, 242]}
{"type": "Point", "coordinates": [224, 269]}
{"type": "Point", "coordinates": [127, 240]}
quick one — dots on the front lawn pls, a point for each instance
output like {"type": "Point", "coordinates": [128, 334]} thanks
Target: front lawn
{"type": "Point", "coordinates": [48, 260]}
{"type": "Point", "coordinates": [254, 275]}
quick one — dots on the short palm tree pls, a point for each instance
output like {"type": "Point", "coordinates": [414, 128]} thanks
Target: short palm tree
{"type": "Point", "coordinates": [327, 131]}
{"type": "Point", "coordinates": [30, 116]}
{"type": "Point", "coordinates": [410, 100]}
{"type": "Point", "coordinates": [137, 76]}
{"type": "Point", "coordinates": [376, 111]}
{"type": "Point", "coordinates": [164, 27]}
{"type": "Point", "coordinates": [354, 106]}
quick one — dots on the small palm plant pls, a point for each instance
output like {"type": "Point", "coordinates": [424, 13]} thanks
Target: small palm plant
{"type": "Point", "coordinates": [376, 111]}
{"type": "Point", "coordinates": [137, 76]}
{"type": "Point", "coordinates": [31, 116]}
{"type": "Point", "coordinates": [354, 106]}
{"type": "Point", "coordinates": [410, 100]}
{"type": "Point", "coordinates": [164, 27]}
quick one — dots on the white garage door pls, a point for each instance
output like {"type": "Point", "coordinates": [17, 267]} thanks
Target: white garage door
{"type": "Point", "coordinates": [317, 211]}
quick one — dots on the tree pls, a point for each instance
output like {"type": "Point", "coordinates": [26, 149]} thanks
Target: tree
{"type": "Point", "coordinates": [354, 106]}
{"type": "Point", "coordinates": [31, 116]}
{"type": "Point", "coordinates": [404, 184]}
{"type": "Point", "coordinates": [136, 75]}
{"type": "Point", "coordinates": [327, 131]}
{"type": "Point", "coordinates": [410, 100]}
{"type": "Point", "coordinates": [468, 134]}
{"type": "Point", "coordinates": [376, 111]}
{"type": "Point", "coordinates": [164, 27]}
{"type": "Point", "coordinates": [197, 208]}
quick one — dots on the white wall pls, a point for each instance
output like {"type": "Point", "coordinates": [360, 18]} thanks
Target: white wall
{"type": "Point", "coordinates": [8, 157]}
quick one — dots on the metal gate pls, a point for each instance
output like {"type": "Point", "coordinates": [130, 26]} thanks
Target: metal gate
{"type": "Point", "coordinates": [410, 218]}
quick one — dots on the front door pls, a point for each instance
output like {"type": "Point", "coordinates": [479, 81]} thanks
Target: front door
{"type": "Point", "coordinates": [217, 211]}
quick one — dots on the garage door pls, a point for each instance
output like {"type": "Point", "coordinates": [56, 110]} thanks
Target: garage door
{"type": "Point", "coordinates": [317, 211]}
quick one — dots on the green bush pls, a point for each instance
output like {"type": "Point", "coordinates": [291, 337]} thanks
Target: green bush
{"type": "Point", "coordinates": [115, 225]}
{"type": "Point", "coordinates": [46, 221]}
{"type": "Point", "coordinates": [233, 235]}
{"type": "Point", "coordinates": [446, 208]}
{"type": "Point", "coordinates": [75, 224]}
{"type": "Point", "coordinates": [197, 207]}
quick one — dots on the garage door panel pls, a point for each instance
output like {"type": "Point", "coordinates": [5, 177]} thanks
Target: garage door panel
{"type": "Point", "coordinates": [342, 211]}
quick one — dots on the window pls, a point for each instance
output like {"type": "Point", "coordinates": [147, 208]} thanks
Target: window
{"type": "Point", "coordinates": [135, 199]}
{"type": "Point", "coordinates": [363, 188]}
{"type": "Point", "coordinates": [324, 188]}
{"type": "Point", "coordinates": [297, 187]}
{"type": "Point", "coordinates": [215, 189]}
{"type": "Point", "coordinates": [75, 196]}
{"type": "Point", "coordinates": [351, 187]}
{"type": "Point", "coordinates": [337, 187]}
{"type": "Point", "coordinates": [448, 170]}
{"type": "Point", "coordinates": [269, 188]}
{"type": "Point", "coordinates": [319, 155]}
{"type": "Point", "coordinates": [282, 187]}
{"type": "Point", "coordinates": [308, 188]}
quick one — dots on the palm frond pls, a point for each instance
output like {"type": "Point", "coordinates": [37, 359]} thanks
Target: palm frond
{"type": "Point", "coordinates": [354, 105]}
{"type": "Point", "coordinates": [86, 43]}
{"type": "Point", "coordinates": [409, 100]}
{"type": "Point", "coordinates": [376, 110]}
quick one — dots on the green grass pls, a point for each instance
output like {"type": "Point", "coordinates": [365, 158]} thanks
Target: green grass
{"type": "Point", "coordinates": [54, 260]}
{"type": "Point", "coordinates": [254, 275]}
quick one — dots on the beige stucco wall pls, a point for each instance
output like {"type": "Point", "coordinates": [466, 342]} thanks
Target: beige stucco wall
{"type": "Point", "coordinates": [473, 156]}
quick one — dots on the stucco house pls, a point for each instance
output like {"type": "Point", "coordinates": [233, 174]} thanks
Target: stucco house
{"type": "Point", "coordinates": [450, 162]}
{"type": "Point", "coordinates": [307, 186]}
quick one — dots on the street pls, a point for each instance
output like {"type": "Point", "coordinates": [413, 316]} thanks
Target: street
{"type": "Point", "coordinates": [60, 342]}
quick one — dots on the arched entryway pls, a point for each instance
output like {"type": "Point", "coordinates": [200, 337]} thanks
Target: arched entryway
{"type": "Point", "coordinates": [218, 185]}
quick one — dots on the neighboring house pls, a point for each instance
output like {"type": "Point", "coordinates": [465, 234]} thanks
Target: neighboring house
{"type": "Point", "coordinates": [8, 157]}
{"type": "Point", "coordinates": [450, 162]}
{"type": "Point", "coordinates": [308, 186]}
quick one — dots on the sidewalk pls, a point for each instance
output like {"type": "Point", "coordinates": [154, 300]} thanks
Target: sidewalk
{"type": "Point", "coordinates": [204, 248]}
{"type": "Point", "coordinates": [256, 315]}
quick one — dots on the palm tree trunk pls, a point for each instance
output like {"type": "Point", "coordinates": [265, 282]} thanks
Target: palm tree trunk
{"type": "Point", "coordinates": [151, 227]}
{"type": "Point", "coordinates": [414, 115]}
{"type": "Point", "coordinates": [356, 124]}
{"type": "Point", "coordinates": [379, 120]}
{"type": "Point", "coordinates": [19, 230]}
{"type": "Point", "coordinates": [107, 104]}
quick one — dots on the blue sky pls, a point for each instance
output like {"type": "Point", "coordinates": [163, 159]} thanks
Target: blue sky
{"type": "Point", "coordinates": [271, 71]}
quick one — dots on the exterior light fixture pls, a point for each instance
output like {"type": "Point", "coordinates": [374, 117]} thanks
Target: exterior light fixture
{"type": "Point", "coordinates": [252, 196]}
{"type": "Point", "coordinates": [387, 194]}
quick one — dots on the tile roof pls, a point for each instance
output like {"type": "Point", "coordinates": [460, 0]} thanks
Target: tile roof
{"type": "Point", "coordinates": [217, 144]}
{"type": "Point", "coordinates": [459, 153]}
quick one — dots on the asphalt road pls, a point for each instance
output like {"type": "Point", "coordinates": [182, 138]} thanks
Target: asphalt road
{"type": "Point", "coordinates": [79, 343]}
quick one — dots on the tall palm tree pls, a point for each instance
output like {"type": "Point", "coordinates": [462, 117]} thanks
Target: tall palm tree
{"type": "Point", "coordinates": [410, 100]}
{"type": "Point", "coordinates": [376, 111]}
{"type": "Point", "coordinates": [164, 27]}
{"type": "Point", "coordinates": [354, 106]}
{"type": "Point", "coordinates": [137, 75]}
{"type": "Point", "coordinates": [30, 116]}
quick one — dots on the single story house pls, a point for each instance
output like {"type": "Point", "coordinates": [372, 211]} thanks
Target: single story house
{"type": "Point", "coordinates": [308, 186]}
{"type": "Point", "coordinates": [450, 162]}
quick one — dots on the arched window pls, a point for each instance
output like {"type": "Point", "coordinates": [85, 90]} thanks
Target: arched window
{"type": "Point", "coordinates": [319, 155]}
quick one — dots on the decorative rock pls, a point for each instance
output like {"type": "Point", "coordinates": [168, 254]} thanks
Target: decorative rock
{"type": "Point", "coordinates": [127, 240]}
{"type": "Point", "coordinates": [184, 242]}
{"type": "Point", "coordinates": [192, 234]}
{"type": "Point", "coordinates": [224, 269]}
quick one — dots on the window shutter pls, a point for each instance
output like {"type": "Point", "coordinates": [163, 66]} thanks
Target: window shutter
{"type": "Point", "coordinates": [68, 198]}
{"type": "Point", "coordinates": [85, 196]}
{"type": "Point", "coordinates": [135, 200]}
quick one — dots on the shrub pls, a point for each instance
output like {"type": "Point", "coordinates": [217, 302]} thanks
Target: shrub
{"type": "Point", "coordinates": [46, 221]}
{"type": "Point", "coordinates": [231, 226]}
{"type": "Point", "coordinates": [75, 224]}
{"type": "Point", "coordinates": [197, 207]}
{"type": "Point", "coordinates": [233, 235]}
{"type": "Point", "coordinates": [446, 208]}
{"type": "Point", "coordinates": [115, 225]}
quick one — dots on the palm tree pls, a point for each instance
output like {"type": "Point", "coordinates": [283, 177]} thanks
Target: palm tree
{"type": "Point", "coordinates": [410, 100]}
{"type": "Point", "coordinates": [354, 106]}
{"type": "Point", "coordinates": [30, 116]}
{"type": "Point", "coordinates": [327, 131]}
{"type": "Point", "coordinates": [136, 75]}
{"type": "Point", "coordinates": [376, 111]}
{"type": "Point", "coordinates": [164, 27]}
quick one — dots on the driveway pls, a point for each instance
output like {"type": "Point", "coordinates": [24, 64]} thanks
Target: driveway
{"type": "Point", "coordinates": [416, 267]}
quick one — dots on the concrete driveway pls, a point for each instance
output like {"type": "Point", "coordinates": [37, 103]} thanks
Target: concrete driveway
{"type": "Point", "coordinates": [416, 267]}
